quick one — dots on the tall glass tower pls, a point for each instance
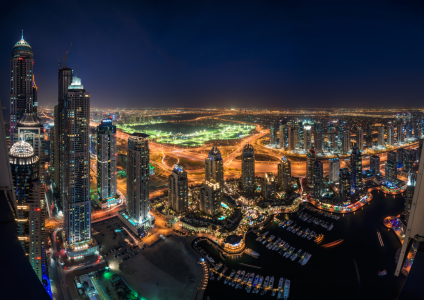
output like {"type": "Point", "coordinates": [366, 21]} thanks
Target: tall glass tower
{"type": "Point", "coordinates": [77, 205]}
{"type": "Point", "coordinates": [356, 174]}
{"type": "Point", "coordinates": [214, 168]}
{"type": "Point", "coordinates": [138, 203]}
{"type": "Point", "coordinates": [248, 168]}
{"type": "Point", "coordinates": [23, 91]}
{"type": "Point", "coordinates": [106, 163]}
{"type": "Point", "coordinates": [30, 214]}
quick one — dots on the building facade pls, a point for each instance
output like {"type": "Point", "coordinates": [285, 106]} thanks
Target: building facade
{"type": "Point", "coordinates": [248, 168]}
{"type": "Point", "coordinates": [380, 136]}
{"type": "Point", "coordinates": [214, 168]}
{"type": "Point", "coordinates": [106, 163]}
{"type": "Point", "coordinates": [178, 189]}
{"type": "Point", "coordinates": [334, 170]}
{"type": "Point", "coordinates": [30, 211]}
{"type": "Point", "coordinates": [210, 198]}
{"type": "Point", "coordinates": [356, 173]}
{"type": "Point", "coordinates": [360, 139]}
{"type": "Point", "coordinates": [138, 155]}
{"type": "Point", "coordinates": [268, 186]}
{"type": "Point", "coordinates": [375, 164]}
{"type": "Point", "coordinates": [310, 161]}
{"type": "Point", "coordinates": [345, 185]}
{"type": "Point", "coordinates": [23, 91]}
{"type": "Point", "coordinates": [284, 173]}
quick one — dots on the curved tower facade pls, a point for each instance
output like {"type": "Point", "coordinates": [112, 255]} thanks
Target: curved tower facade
{"type": "Point", "coordinates": [214, 168]}
{"type": "Point", "coordinates": [23, 92]}
{"type": "Point", "coordinates": [248, 168]}
{"type": "Point", "coordinates": [30, 215]}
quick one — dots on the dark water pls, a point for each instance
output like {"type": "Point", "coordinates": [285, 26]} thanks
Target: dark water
{"type": "Point", "coordinates": [346, 271]}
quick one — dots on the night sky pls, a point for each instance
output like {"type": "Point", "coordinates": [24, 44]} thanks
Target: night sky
{"type": "Point", "coordinates": [264, 54]}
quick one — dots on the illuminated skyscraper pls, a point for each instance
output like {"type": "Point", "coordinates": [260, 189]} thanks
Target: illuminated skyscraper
{"type": "Point", "coordinates": [368, 138]}
{"type": "Point", "coordinates": [346, 141]}
{"type": "Point", "coordinates": [410, 187]}
{"type": "Point", "coordinates": [390, 134]}
{"type": "Point", "coordinates": [332, 139]}
{"type": "Point", "coordinates": [360, 139]}
{"type": "Point", "coordinates": [283, 136]}
{"type": "Point", "coordinates": [214, 168]}
{"type": "Point", "coordinates": [310, 161]}
{"type": "Point", "coordinates": [268, 186]}
{"type": "Point", "coordinates": [334, 170]}
{"type": "Point", "coordinates": [284, 173]}
{"type": "Point", "coordinates": [178, 189]}
{"type": "Point", "coordinates": [375, 164]}
{"type": "Point", "coordinates": [106, 163]}
{"type": "Point", "coordinates": [30, 213]}
{"type": "Point", "coordinates": [297, 126]}
{"type": "Point", "coordinates": [408, 160]}
{"type": "Point", "coordinates": [318, 179]}
{"type": "Point", "coordinates": [400, 132]}
{"type": "Point", "coordinates": [307, 136]}
{"type": "Point", "coordinates": [138, 202]}
{"type": "Point", "coordinates": [356, 173]}
{"type": "Point", "coordinates": [273, 133]}
{"type": "Point", "coordinates": [345, 185]}
{"type": "Point", "coordinates": [77, 204]}
{"type": "Point", "coordinates": [210, 198]}
{"type": "Point", "coordinates": [292, 139]}
{"type": "Point", "coordinates": [23, 91]}
{"type": "Point", "coordinates": [248, 168]}
{"type": "Point", "coordinates": [380, 136]}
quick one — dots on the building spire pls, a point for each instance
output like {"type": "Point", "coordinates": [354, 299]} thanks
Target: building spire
{"type": "Point", "coordinates": [22, 34]}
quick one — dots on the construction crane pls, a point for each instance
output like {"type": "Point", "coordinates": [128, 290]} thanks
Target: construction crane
{"type": "Point", "coordinates": [65, 56]}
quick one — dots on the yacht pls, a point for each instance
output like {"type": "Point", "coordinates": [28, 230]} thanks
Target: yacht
{"type": "Point", "coordinates": [286, 289]}
{"type": "Point", "coordinates": [306, 259]}
{"type": "Point", "coordinates": [251, 278]}
{"type": "Point", "coordinates": [248, 288]}
{"type": "Point", "coordinates": [246, 278]}
{"type": "Point", "coordinates": [331, 227]}
{"type": "Point", "coordinates": [210, 259]}
{"type": "Point", "coordinates": [271, 283]}
{"type": "Point", "coordinates": [255, 282]}
{"type": "Point", "coordinates": [211, 277]}
{"type": "Point", "coordinates": [226, 280]}
{"type": "Point", "coordinates": [258, 287]}
{"type": "Point", "coordinates": [266, 282]}
{"type": "Point", "coordinates": [232, 273]}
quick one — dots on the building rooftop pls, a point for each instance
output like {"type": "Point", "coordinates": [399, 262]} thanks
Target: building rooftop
{"type": "Point", "coordinates": [233, 239]}
{"type": "Point", "coordinates": [30, 120]}
{"type": "Point", "coordinates": [22, 149]}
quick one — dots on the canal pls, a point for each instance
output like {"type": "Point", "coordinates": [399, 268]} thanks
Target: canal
{"type": "Point", "coordinates": [346, 271]}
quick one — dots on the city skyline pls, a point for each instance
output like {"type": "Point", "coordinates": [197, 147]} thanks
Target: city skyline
{"type": "Point", "coordinates": [281, 55]}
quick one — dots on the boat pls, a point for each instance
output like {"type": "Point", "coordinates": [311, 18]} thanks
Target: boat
{"type": "Point", "coordinates": [226, 280]}
{"type": "Point", "coordinates": [293, 257]}
{"type": "Point", "coordinates": [286, 289]}
{"type": "Point", "coordinates": [255, 282]}
{"type": "Point", "coordinates": [248, 288]}
{"type": "Point", "coordinates": [251, 278]}
{"type": "Point", "coordinates": [331, 227]}
{"type": "Point", "coordinates": [246, 278]}
{"type": "Point", "coordinates": [211, 277]}
{"type": "Point", "coordinates": [210, 259]}
{"type": "Point", "coordinates": [223, 273]}
{"type": "Point", "coordinates": [232, 273]}
{"type": "Point", "coordinates": [265, 285]}
{"type": "Point", "coordinates": [306, 259]}
{"type": "Point", "coordinates": [258, 287]}
{"type": "Point", "coordinates": [218, 266]}
{"type": "Point", "coordinates": [382, 273]}
{"type": "Point", "coordinates": [242, 276]}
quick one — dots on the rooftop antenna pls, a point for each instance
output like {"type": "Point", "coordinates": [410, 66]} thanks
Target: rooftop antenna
{"type": "Point", "coordinates": [22, 34]}
{"type": "Point", "coordinates": [76, 70]}
{"type": "Point", "coordinates": [65, 56]}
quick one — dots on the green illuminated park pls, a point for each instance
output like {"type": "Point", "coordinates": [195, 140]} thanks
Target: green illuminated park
{"type": "Point", "coordinates": [187, 134]}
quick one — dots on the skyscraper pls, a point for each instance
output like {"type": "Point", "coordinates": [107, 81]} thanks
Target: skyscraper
{"type": "Point", "coordinates": [318, 176]}
{"type": "Point", "coordinates": [380, 136]}
{"type": "Point", "coordinates": [30, 213]}
{"type": "Point", "coordinates": [248, 168]}
{"type": "Point", "coordinates": [345, 185]}
{"type": "Point", "coordinates": [284, 173]}
{"type": "Point", "coordinates": [273, 133]}
{"type": "Point", "coordinates": [214, 168]}
{"type": "Point", "coordinates": [268, 186]}
{"type": "Point", "coordinates": [334, 170]}
{"type": "Point", "coordinates": [390, 134]}
{"type": "Point", "coordinates": [332, 139]}
{"type": "Point", "coordinates": [399, 157]}
{"type": "Point", "coordinates": [360, 139]}
{"type": "Point", "coordinates": [178, 189]}
{"type": "Point", "coordinates": [400, 132]}
{"type": "Point", "coordinates": [368, 138]}
{"type": "Point", "coordinates": [356, 173]}
{"type": "Point", "coordinates": [106, 163]}
{"type": "Point", "coordinates": [292, 139]}
{"type": "Point", "coordinates": [283, 136]}
{"type": "Point", "coordinates": [346, 141]}
{"type": "Point", "coordinates": [77, 205]}
{"type": "Point", "coordinates": [307, 137]}
{"type": "Point", "coordinates": [318, 140]}
{"type": "Point", "coordinates": [310, 161]}
{"type": "Point", "coordinates": [138, 203]}
{"type": "Point", "coordinates": [375, 164]}
{"type": "Point", "coordinates": [30, 128]}
{"type": "Point", "coordinates": [408, 160]}
{"type": "Point", "coordinates": [297, 126]}
{"type": "Point", "coordinates": [210, 198]}
{"type": "Point", "coordinates": [410, 187]}
{"type": "Point", "coordinates": [23, 91]}
{"type": "Point", "coordinates": [390, 171]}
